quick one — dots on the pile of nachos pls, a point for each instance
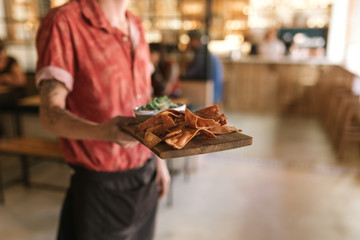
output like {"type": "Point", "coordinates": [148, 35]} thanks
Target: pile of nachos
{"type": "Point", "coordinates": [177, 128]}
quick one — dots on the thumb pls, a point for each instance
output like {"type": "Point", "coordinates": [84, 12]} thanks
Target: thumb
{"type": "Point", "coordinates": [121, 121]}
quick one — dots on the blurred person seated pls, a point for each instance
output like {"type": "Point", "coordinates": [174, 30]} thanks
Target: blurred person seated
{"type": "Point", "coordinates": [271, 47]}
{"type": "Point", "coordinates": [11, 74]}
{"type": "Point", "coordinates": [165, 77]}
{"type": "Point", "coordinates": [12, 82]}
{"type": "Point", "coordinates": [195, 68]}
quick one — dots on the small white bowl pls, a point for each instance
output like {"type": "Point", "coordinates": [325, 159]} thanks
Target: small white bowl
{"type": "Point", "coordinates": [142, 115]}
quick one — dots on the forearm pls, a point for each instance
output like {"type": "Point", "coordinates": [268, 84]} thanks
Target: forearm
{"type": "Point", "coordinates": [63, 123]}
{"type": "Point", "coordinates": [56, 119]}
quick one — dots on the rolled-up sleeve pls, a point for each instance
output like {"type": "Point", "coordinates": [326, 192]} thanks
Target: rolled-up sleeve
{"type": "Point", "coordinates": [55, 51]}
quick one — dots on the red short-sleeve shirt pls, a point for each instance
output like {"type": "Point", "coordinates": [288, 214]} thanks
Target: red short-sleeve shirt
{"type": "Point", "coordinates": [106, 72]}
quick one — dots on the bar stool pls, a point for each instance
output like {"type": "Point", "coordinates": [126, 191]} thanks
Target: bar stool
{"type": "Point", "coordinates": [350, 130]}
{"type": "Point", "coordinates": [346, 103]}
{"type": "Point", "coordinates": [331, 108]}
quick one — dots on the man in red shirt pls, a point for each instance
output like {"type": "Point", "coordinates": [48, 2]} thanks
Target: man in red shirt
{"type": "Point", "coordinates": [93, 69]}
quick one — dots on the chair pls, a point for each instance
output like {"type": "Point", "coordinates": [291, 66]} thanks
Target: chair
{"type": "Point", "coordinates": [331, 110]}
{"type": "Point", "coordinates": [345, 103]}
{"type": "Point", "coordinates": [350, 129]}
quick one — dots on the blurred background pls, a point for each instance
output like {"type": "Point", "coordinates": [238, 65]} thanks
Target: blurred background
{"type": "Point", "coordinates": [286, 72]}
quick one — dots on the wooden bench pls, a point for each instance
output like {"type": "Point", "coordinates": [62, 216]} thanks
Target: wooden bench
{"type": "Point", "coordinates": [29, 149]}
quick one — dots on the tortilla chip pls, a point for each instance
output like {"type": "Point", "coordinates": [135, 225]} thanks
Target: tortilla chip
{"type": "Point", "coordinates": [198, 122]}
{"type": "Point", "coordinates": [175, 113]}
{"type": "Point", "coordinates": [180, 140]}
{"type": "Point", "coordinates": [212, 112]}
{"type": "Point", "coordinates": [177, 128]}
{"type": "Point", "coordinates": [167, 121]}
{"type": "Point", "coordinates": [207, 134]}
{"type": "Point", "coordinates": [223, 129]}
{"type": "Point", "coordinates": [151, 140]}
{"type": "Point", "coordinates": [172, 134]}
{"type": "Point", "coordinates": [175, 131]}
{"type": "Point", "coordinates": [159, 119]}
{"type": "Point", "coordinates": [158, 130]}
{"type": "Point", "coordinates": [151, 122]}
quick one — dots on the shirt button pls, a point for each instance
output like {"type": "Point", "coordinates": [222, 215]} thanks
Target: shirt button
{"type": "Point", "coordinates": [125, 38]}
{"type": "Point", "coordinates": [138, 96]}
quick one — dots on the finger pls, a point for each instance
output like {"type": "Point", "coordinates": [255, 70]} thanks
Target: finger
{"type": "Point", "coordinates": [125, 120]}
{"type": "Point", "coordinates": [129, 144]}
{"type": "Point", "coordinates": [128, 138]}
{"type": "Point", "coordinates": [158, 178]}
{"type": "Point", "coordinates": [161, 192]}
{"type": "Point", "coordinates": [159, 186]}
{"type": "Point", "coordinates": [165, 188]}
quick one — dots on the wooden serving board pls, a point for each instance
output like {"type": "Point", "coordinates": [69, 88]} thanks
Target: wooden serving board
{"type": "Point", "coordinates": [197, 145]}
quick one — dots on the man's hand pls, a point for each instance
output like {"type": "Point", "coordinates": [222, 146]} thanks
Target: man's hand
{"type": "Point", "coordinates": [113, 131]}
{"type": "Point", "coordinates": [162, 177]}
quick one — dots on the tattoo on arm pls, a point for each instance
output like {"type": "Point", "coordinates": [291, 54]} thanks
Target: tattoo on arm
{"type": "Point", "coordinates": [47, 92]}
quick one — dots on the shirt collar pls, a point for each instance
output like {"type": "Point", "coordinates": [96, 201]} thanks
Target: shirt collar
{"type": "Point", "coordinates": [94, 14]}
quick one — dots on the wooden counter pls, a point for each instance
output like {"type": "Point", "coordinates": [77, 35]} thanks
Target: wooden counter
{"type": "Point", "coordinates": [259, 85]}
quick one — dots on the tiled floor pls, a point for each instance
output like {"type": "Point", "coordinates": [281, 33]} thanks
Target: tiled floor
{"type": "Point", "coordinates": [287, 186]}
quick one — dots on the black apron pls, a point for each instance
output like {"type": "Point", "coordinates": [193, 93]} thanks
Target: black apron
{"type": "Point", "coordinates": [110, 205]}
